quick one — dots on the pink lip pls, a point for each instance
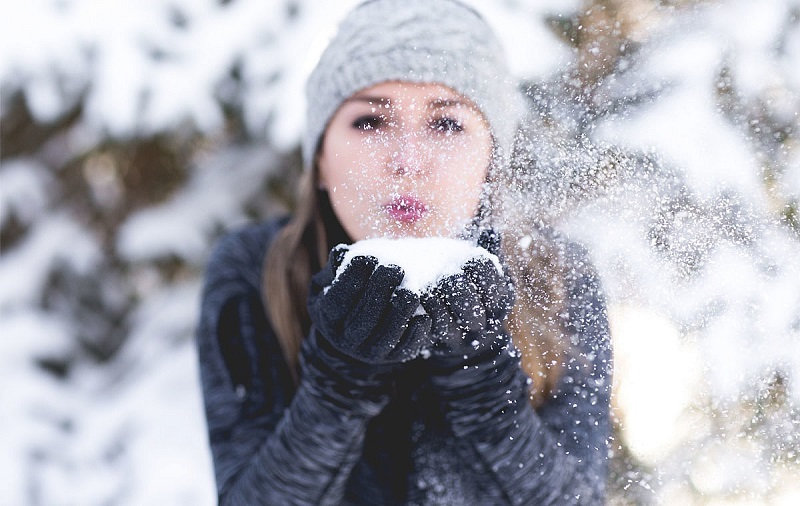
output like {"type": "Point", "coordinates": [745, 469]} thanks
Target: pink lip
{"type": "Point", "coordinates": [406, 209]}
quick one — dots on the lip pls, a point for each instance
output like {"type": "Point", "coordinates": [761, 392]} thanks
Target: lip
{"type": "Point", "coordinates": [406, 209]}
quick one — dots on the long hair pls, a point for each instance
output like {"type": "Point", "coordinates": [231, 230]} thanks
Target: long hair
{"type": "Point", "coordinates": [301, 248]}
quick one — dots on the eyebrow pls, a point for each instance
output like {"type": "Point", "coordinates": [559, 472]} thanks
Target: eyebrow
{"type": "Point", "coordinates": [447, 102]}
{"type": "Point", "coordinates": [370, 100]}
{"type": "Point", "coordinates": [434, 104]}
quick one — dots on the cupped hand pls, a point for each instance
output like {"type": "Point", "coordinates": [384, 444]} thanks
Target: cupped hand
{"type": "Point", "coordinates": [467, 311]}
{"type": "Point", "coordinates": [364, 313]}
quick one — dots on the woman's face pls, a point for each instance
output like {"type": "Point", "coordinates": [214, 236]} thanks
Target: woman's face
{"type": "Point", "coordinates": [405, 159]}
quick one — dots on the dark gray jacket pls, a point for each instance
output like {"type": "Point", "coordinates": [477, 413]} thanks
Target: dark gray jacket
{"type": "Point", "coordinates": [273, 443]}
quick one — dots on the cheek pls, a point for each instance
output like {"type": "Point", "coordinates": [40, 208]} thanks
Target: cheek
{"type": "Point", "coordinates": [358, 167]}
{"type": "Point", "coordinates": [463, 167]}
{"type": "Point", "coordinates": [352, 175]}
{"type": "Point", "coordinates": [353, 188]}
{"type": "Point", "coordinates": [342, 162]}
{"type": "Point", "coordinates": [349, 206]}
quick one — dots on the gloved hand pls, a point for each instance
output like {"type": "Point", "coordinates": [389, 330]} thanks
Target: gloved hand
{"type": "Point", "coordinates": [363, 317]}
{"type": "Point", "coordinates": [468, 309]}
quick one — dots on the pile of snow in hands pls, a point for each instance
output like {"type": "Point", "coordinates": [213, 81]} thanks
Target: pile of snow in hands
{"type": "Point", "coordinates": [424, 260]}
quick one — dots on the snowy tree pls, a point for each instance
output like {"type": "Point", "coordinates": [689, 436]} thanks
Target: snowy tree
{"type": "Point", "coordinates": [663, 134]}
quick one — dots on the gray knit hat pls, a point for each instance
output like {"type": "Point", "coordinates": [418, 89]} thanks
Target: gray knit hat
{"type": "Point", "coordinates": [438, 41]}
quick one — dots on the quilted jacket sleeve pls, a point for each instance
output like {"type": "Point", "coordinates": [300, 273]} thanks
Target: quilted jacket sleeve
{"type": "Point", "coordinates": [558, 453]}
{"type": "Point", "coordinates": [270, 443]}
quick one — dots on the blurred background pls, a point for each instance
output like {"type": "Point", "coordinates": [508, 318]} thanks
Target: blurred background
{"type": "Point", "coordinates": [664, 134]}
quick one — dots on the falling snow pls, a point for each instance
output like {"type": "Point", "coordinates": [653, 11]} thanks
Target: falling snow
{"type": "Point", "coordinates": [665, 136]}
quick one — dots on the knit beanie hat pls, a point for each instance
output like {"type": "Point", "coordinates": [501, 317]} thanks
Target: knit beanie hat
{"type": "Point", "coordinates": [425, 41]}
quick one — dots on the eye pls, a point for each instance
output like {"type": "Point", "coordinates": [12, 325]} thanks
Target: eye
{"type": "Point", "coordinates": [447, 125]}
{"type": "Point", "coordinates": [368, 122]}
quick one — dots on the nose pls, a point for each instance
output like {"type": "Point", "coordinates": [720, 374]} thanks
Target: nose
{"type": "Point", "coordinates": [410, 154]}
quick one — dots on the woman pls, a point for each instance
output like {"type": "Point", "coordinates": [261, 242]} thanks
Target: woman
{"type": "Point", "coordinates": [359, 391]}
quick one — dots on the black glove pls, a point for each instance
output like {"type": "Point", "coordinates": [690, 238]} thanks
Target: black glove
{"type": "Point", "coordinates": [468, 310]}
{"type": "Point", "coordinates": [363, 315]}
